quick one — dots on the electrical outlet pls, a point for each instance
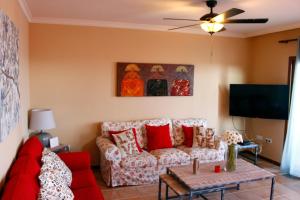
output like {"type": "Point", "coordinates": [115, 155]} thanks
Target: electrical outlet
{"type": "Point", "coordinates": [259, 137]}
{"type": "Point", "coordinates": [268, 140]}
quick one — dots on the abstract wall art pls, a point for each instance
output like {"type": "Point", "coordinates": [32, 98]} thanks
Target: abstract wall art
{"type": "Point", "coordinates": [9, 76]}
{"type": "Point", "coordinates": [145, 79]}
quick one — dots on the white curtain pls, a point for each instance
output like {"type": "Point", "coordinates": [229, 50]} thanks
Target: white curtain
{"type": "Point", "coordinates": [290, 162]}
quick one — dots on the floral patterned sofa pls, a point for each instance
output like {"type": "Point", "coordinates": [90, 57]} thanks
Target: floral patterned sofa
{"type": "Point", "coordinates": [146, 167]}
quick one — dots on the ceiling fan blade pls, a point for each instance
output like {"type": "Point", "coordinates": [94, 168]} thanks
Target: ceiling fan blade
{"type": "Point", "coordinates": [227, 14]}
{"type": "Point", "coordinates": [223, 29]}
{"type": "Point", "coordinates": [183, 27]}
{"type": "Point", "coordinates": [193, 20]}
{"type": "Point", "coordinates": [246, 21]}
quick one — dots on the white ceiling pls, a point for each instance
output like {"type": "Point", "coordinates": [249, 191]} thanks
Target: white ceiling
{"type": "Point", "coordinates": [149, 14]}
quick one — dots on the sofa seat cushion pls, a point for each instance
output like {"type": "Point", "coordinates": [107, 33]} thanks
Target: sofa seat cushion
{"type": "Point", "coordinates": [171, 157]}
{"type": "Point", "coordinates": [145, 159]}
{"type": "Point", "coordinates": [25, 165]}
{"type": "Point", "coordinates": [203, 154]}
{"type": "Point", "coordinates": [76, 160]}
{"type": "Point", "coordinates": [93, 193]}
{"type": "Point", "coordinates": [83, 178]}
{"type": "Point", "coordinates": [32, 147]}
{"type": "Point", "coordinates": [21, 186]}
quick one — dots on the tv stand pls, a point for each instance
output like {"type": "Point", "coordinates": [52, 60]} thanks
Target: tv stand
{"type": "Point", "coordinates": [245, 142]}
{"type": "Point", "coordinates": [250, 145]}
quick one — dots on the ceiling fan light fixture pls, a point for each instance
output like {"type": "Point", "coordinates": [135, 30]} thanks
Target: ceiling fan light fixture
{"type": "Point", "coordinates": [213, 22]}
{"type": "Point", "coordinates": [211, 27]}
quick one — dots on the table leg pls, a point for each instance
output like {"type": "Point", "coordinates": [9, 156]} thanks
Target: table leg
{"type": "Point", "coordinates": [222, 194]}
{"type": "Point", "coordinates": [159, 189]}
{"type": "Point", "coordinates": [238, 186]}
{"type": "Point", "coordinates": [256, 152]}
{"type": "Point", "coordinates": [190, 196]}
{"type": "Point", "coordinates": [272, 188]}
{"type": "Point", "coordinates": [167, 192]}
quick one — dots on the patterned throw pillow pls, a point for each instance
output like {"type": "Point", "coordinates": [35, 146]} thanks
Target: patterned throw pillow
{"type": "Point", "coordinates": [111, 133]}
{"type": "Point", "coordinates": [210, 138]}
{"type": "Point", "coordinates": [51, 162]}
{"type": "Point", "coordinates": [53, 187]}
{"type": "Point", "coordinates": [126, 143]}
{"type": "Point", "coordinates": [199, 139]}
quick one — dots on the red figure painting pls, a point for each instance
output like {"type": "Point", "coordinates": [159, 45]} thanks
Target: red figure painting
{"type": "Point", "coordinates": [181, 84]}
{"type": "Point", "coordinates": [132, 84]}
{"type": "Point", "coordinates": [154, 79]}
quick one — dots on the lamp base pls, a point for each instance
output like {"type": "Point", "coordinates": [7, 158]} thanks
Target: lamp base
{"type": "Point", "coordinates": [44, 137]}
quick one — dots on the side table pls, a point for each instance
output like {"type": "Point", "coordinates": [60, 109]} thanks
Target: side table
{"type": "Point", "coordinates": [252, 145]}
{"type": "Point", "coordinates": [61, 148]}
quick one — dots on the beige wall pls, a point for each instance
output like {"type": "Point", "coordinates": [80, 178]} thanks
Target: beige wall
{"type": "Point", "coordinates": [269, 64]}
{"type": "Point", "coordinates": [10, 145]}
{"type": "Point", "coordinates": [73, 71]}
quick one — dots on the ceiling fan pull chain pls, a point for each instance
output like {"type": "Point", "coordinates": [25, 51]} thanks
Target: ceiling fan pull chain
{"type": "Point", "coordinates": [211, 49]}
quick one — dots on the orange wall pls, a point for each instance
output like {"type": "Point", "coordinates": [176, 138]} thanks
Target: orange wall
{"type": "Point", "coordinates": [73, 71]}
{"type": "Point", "coordinates": [9, 146]}
{"type": "Point", "coordinates": [269, 64]}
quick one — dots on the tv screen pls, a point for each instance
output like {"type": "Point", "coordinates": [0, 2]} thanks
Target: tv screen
{"type": "Point", "coordinates": [259, 101]}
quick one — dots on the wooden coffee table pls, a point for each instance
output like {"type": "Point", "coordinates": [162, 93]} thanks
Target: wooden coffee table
{"type": "Point", "coordinates": [184, 183]}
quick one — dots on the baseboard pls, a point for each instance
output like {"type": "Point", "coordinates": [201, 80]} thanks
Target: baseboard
{"type": "Point", "coordinates": [263, 158]}
{"type": "Point", "coordinates": [269, 160]}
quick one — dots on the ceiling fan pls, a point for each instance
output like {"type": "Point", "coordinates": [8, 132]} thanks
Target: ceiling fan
{"type": "Point", "coordinates": [213, 22]}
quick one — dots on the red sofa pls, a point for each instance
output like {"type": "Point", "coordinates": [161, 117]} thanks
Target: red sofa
{"type": "Point", "coordinates": [23, 182]}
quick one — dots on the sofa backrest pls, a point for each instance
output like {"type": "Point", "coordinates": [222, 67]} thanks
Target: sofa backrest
{"type": "Point", "coordinates": [22, 182]}
{"type": "Point", "coordinates": [177, 127]}
{"type": "Point", "coordinates": [177, 136]}
{"type": "Point", "coordinates": [139, 125]}
{"type": "Point", "coordinates": [32, 147]}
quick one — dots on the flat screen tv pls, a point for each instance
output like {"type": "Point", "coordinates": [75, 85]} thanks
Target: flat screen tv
{"type": "Point", "coordinates": [259, 101]}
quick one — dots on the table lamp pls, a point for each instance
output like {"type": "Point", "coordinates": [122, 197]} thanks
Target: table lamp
{"type": "Point", "coordinates": [41, 120]}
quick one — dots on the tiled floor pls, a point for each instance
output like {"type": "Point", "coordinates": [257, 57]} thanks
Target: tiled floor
{"type": "Point", "coordinates": [286, 188]}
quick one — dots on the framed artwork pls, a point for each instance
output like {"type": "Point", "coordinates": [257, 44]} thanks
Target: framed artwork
{"type": "Point", "coordinates": [145, 79]}
{"type": "Point", "coordinates": [9, 76]}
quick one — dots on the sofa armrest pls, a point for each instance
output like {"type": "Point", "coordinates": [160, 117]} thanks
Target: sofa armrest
{"type": "Point", "coordinates": [76, 160]}
{"type": "Point", "coordinates": [110, 151]}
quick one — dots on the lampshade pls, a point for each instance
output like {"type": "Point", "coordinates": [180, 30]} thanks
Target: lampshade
{"type": "Point", "coordinates": [41, 119]}
{"type": "Point", "coordinates": [211, 27]}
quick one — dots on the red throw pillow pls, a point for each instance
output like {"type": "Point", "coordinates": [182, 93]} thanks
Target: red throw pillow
{"type": "Point", "coordinates": [188, 135]}
{"type": "Point", "coordinates": [117, 132]}
{"type": "Point", "coordinates": [158, 137]}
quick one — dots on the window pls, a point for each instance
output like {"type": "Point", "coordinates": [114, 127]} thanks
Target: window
{"type": "Point", "coordinates": [292, 65]}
